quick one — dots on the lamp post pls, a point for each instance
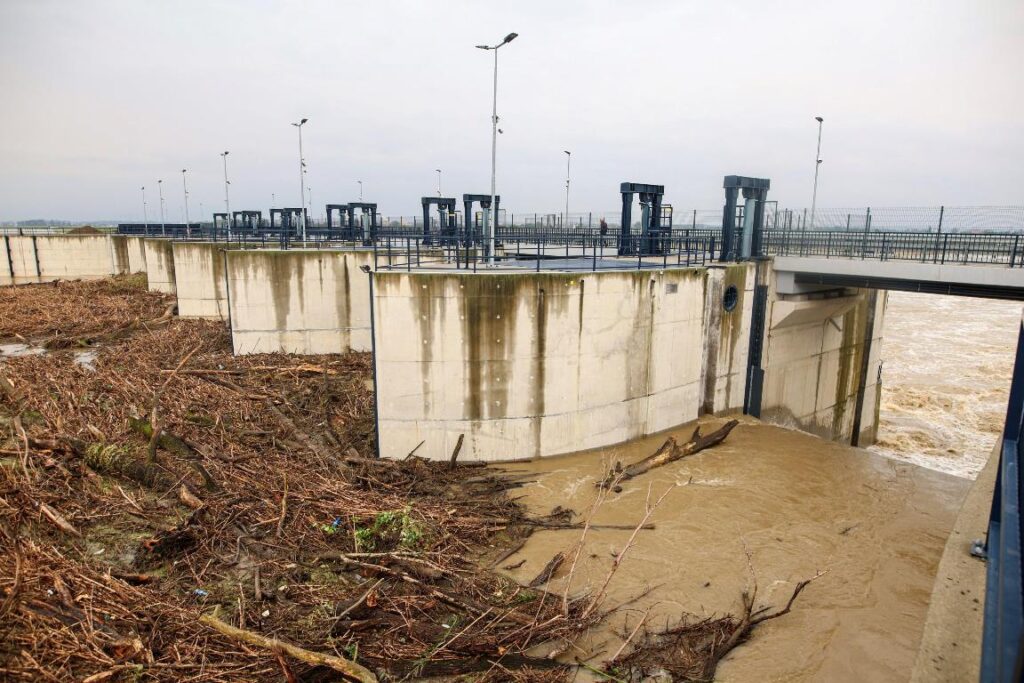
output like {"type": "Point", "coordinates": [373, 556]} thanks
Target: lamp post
{"type": "Point", "coordinates": [438, 181]}
{"type": "Point", "coordinates": [145, 215]}
{"type": "Point", "coordinates": [184, 184]}
{"type": "Point", "coordinates": [568, 160]}
{"type": "Point", "coordinates": [817, 165]}
{"type": "Point", "coordinates": [227, 201]}
{"type": "Point", "coordinates": [494, 145]}
{"type": "Point", "coordinates": [163, 225]}
{"type": "Point", "coordinates": [302, 181]}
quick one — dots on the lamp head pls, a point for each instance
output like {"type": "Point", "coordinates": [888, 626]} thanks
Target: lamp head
{"type": "Point", "coordinates": [567, 152]}
{"type": "Point", "coordinates": [818, 119]}
{"type": "Point", "coordinates": [509, 38]}
{"type": "Point", "coordinates": [483, 47]}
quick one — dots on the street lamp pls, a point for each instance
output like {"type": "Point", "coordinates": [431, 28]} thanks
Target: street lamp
{"type": "Point", "coordinates": [817, 165]}
{"type": "Point", "coordinates": [145, 215]}
{"type": "Point", "coordinates": [568, 160]}
{"type": "Point", "coordinates": [494, 145]}
{"type": "Point", "coordinates": [227, 201]}
{"type": "Point", "coordinates": [438, 181]}
{"type": "Point", "coordinates": [184, 184]}
{"type": "Point", "coordinates": [163, 225]}
{"type": "Point", "coordinates": [360, 182]}
{"type": "Point", "coordinates": [302, 181]}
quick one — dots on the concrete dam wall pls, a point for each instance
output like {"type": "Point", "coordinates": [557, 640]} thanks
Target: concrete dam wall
{"type": "Point", "coordinates": [522, 363]}
{"type": "Point", "coordinates": [537, 364]}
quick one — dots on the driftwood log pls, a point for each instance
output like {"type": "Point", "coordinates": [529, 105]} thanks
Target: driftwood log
{"type": "Point", "coordinates": [670, 451]}
{"type": "Point", "coordinates": [344, 666]}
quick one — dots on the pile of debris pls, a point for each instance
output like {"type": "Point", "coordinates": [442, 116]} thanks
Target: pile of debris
{"type": "Point", "coordinates": [172, 512]}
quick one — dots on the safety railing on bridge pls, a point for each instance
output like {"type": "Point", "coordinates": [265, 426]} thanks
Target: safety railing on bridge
{"type": "Point", "coordinates": [1002, 649]}
{"type": "Point", "coordinates": [1003, 249]}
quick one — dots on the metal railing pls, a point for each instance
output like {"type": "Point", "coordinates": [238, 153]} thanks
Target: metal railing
{"type": "Point", "coordinates": [924, 247]}
{"type": "Point", "coordinates": [1002, 648]}
{"type": "Point", "coordinates": [534, 251]}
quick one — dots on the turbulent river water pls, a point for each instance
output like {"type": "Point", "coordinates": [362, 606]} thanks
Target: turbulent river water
{"type": "Point", "coordinates": [946, 376]}
{"type": "Point", "coordinates": [876, 521]}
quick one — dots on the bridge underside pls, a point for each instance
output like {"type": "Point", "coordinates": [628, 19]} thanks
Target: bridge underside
{"type": "Point", "coordinates": [802, 275]}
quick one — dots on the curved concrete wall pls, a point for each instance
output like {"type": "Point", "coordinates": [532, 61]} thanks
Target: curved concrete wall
{"type": "Point", "coordinates": [159, 265]}
{"type": "Point", "coordinates": [535, 364]}
{"type": "Point", "coordinates": [299, 301]}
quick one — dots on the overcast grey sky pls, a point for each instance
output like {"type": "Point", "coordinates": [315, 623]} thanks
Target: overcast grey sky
{"type": "Point", "coordinates": [922, 101]}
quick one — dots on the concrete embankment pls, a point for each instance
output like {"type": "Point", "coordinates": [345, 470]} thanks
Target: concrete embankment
{"type": "Point", "coordinates": [951, 644]}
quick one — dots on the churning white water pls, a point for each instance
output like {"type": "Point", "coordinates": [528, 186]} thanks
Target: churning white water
{"type": "Point", "coordinates": [946, 377]}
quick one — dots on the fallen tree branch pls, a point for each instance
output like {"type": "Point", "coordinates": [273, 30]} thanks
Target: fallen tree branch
{"type": "Point", "coordinates": [339, 664]}
{"type": "Point", "coordinates": [669, 452]}
{"type": "Point", "coordinates": [549, 570]}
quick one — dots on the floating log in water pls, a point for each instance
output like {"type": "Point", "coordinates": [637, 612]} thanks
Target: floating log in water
{"type": "Point", "coordinates": [670, 451]}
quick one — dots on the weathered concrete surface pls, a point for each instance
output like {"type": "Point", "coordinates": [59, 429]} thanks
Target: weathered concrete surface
{"type": "Point", "coordinates": [44, 258]}
{"type": "Point", "coordinates": [136, 254]}
{"type": "Point", "coordinates": [951, 643]}
{"type": "Point", "coordinates": [727, 337]}
{"type": "Point", "coordinates": [119, 254]}
{"type": "Point", "coordinates": [814, 360]}
{"type": "Point", "coordinates": [159, 264]}
{"type": "Point", "coordinates": [199, 280]}
{"type": "Point", "coordinates": [19, 260]}
{"type": "Point", "coordinates": [299, 301]}
{"type": "Point", "coordinates": [535, 364]}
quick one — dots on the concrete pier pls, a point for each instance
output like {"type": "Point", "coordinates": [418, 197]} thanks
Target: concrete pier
{"type": "Point", "coordinates": [159, 254]}
{"type": "Point", "coordinates": [299, 301]}
{"type": "Point", "coordinates": [199, 280]}
{"type": "Point", "coordinates": [815, 373]}
{"type": "Point", "coordinates": [537, 364]}
{"type": "Point", "coordinates": [130, 255]}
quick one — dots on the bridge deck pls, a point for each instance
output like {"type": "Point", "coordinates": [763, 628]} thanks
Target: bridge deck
{"type": "Point", "coordinates": [800, 274]}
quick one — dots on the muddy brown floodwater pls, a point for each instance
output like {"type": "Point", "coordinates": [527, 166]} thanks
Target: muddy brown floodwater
{"type": "Point", "coordinates": [798, 505]}
{"type": "Point", "coordinates": [946, 378]}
